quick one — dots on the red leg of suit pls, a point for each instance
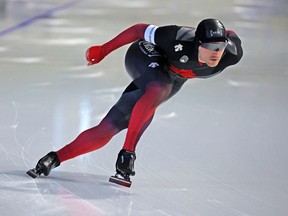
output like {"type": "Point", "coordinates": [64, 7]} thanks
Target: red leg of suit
{"type": "Point", "coordinates": [96, 137]}
{"type": "Point", "coordinates": [89, 140]}
{"type": "Point", "coordinates": [143, 111]}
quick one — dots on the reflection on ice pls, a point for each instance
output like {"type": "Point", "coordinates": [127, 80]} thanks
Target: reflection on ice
{"type": "Point", "coordinates": [86, 76]}
{"type": "Point", "coordinates": [110, 90]}
{"type": "Point", "coordinates": [73, 30]}
{"type": "Point", "coordinates": [24, 60]}
{"type": "Point", "coordinates": [61, 41]}
{"type": "Point", "coordinates": [219, 148]}
{"type": "Point", "coordinates": [169, 115]}
{"type": "Point", "coordinates": [236, 83]}
{"type": "Point", "coordinates": [3, 49]}
{"type": "Point", "coordinates": [85, 114]}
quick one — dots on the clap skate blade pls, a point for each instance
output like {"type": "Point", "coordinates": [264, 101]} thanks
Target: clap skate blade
{"type": "Point", "coordinates": [124, 181]}
{"type": "Point", "coordinates": [33, 173]}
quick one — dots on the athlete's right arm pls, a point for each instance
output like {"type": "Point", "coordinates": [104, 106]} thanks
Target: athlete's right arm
{"type": "Point", "coordinates": [96, 53]}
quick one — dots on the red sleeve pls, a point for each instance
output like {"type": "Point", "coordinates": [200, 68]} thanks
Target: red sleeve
{"type": "Point", "coordinates": [96, 53]}
{"type": "Point", "coordinates": [129, 35]}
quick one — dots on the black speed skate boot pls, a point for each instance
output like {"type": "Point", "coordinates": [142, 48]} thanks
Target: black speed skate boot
{"type": "Point", "coordinates": [124, 168]}
{"type": "Point", "coordinates": [44, 165]}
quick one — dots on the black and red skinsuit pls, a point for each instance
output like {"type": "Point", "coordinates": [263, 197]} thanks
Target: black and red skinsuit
{"type": "Point", "coordinates": [159, 61]}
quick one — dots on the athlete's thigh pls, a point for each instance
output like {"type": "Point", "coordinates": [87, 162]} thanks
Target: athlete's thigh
{"type": "Point", "coordinates": [120, 113]}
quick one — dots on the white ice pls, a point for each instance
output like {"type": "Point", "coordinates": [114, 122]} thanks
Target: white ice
{"type": "Point", "coordinates": [218, 148]}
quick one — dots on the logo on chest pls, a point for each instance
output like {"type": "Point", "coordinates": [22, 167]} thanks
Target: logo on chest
{"type": "Point", "coordinates": [153, 65]}
{"type": "Point", "coordinates": [178, 48]}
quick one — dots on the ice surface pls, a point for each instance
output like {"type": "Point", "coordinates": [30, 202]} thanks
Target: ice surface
{"type": "Point", "coordinates": [218, 148]}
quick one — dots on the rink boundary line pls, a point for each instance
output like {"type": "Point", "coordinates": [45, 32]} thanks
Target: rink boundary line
{"type": "Point", "coordinates": [43, 15]}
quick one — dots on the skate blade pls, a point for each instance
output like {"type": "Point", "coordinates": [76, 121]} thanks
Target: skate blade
{"type": "Point", "coordinates": [32, 173]}
{"type": "Point", "coordinates": [120, 181]}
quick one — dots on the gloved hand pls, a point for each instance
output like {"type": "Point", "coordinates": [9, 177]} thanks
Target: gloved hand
{"type": "Point", "coordinates": [94, 55]}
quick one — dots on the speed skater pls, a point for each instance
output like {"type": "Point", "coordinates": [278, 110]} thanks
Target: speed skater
{"type": "Point", "coordinates": [159, 61]}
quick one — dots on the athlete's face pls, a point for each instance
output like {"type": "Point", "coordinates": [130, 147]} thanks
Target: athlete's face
{"type": "Point", "coordinates": [209, 55]}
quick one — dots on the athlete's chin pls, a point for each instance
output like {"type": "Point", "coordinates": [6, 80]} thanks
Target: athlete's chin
{"type": "Point", "coordinates": [212, 63]}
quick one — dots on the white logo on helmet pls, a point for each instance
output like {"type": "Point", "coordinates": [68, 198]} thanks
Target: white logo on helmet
{"type": "Point", "coordinates": [216, 33]}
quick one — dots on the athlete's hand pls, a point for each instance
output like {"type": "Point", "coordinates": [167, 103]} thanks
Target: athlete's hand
{"type": "Point", "coordinates": [94, 55]}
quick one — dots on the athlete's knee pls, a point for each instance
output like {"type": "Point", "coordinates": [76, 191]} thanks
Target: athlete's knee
{"type": "Point", "coordinates": [108, 125]}
{"type": "Point", "coordinates": [158, 89]}
{"type": "Point", "coordinates": [116, 118]}
{"type": "Point", "coordinates": [157, 93]}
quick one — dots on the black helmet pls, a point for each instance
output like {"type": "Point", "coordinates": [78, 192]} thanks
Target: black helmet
{"type": "Point", "coordinates": [210, 30]}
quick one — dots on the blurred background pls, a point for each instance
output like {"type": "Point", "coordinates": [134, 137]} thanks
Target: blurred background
{"type": "Point", "coordinates": [219, 147]}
